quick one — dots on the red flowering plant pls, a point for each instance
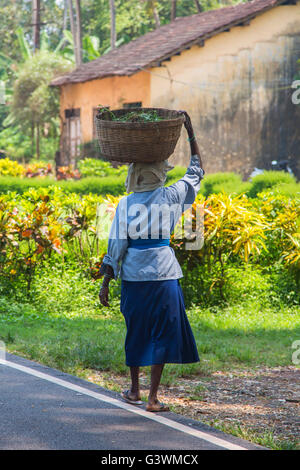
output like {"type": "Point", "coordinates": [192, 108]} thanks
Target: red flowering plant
{"type": "Point", "coordinates": [67, 172]}
{"type": "Point", "coordinates": [38, 169]}
{"type": "Point", "coordinates": [30, 232]}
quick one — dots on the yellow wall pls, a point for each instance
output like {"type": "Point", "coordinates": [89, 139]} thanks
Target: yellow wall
{"type": "Point", "coordinates": [234, 99]}
{"type": "Point", "coordinates": [111, 91]}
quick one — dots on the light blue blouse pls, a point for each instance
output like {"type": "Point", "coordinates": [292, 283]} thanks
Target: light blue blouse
{"type": "Point", "coordinates": [135, 216]}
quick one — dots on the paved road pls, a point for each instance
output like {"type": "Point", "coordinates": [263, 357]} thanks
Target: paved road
{"type": "Point", "coordinates": [42, 408]}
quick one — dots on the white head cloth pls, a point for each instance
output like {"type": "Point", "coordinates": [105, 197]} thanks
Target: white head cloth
{"type": "Point", "coordinates": [146, 176]}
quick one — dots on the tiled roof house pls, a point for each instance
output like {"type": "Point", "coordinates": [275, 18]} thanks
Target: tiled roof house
{"type": "Point", "coordinates": [232, 69]}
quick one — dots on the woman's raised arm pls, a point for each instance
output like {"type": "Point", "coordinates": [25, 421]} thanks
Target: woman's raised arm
{"type": "Point", "coordinates": [192, 139]}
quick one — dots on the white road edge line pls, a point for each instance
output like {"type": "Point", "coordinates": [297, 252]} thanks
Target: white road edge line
{"type": "Point", "coordinates": [126, 406]}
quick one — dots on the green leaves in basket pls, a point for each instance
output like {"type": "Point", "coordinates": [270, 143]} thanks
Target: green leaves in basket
{"type": "Point", "coordinates": [133, 116]}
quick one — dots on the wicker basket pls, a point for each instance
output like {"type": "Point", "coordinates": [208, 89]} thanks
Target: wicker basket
{"type": "Point", "coordinates": [138, 141]}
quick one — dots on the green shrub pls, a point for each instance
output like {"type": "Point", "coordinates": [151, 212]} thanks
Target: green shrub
{"type": "Point", "coordinates": [213, 184]}
{"type": "Point", "coordinates": [229, 182]}
{"type": "Point", "coordinates": [18, 185]}
{"type": "Point", "coordinates": [291, 190]}
{"type": "Point", "coordinates": [175, 174]}
{"type": "Point", "coordinates": [95, 167]}
{"type": "Point", "coordinates": [95, 185]}
{"type": "Point", "coordinates": [232, 187]}
{"type": "Point", "coordinates": [269, 179]}
{"type": "Point", "coordinates": [113, 184]}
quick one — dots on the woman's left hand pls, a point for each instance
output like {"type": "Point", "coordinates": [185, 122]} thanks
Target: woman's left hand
{"type": "Point", "coordinates": [103, 295]}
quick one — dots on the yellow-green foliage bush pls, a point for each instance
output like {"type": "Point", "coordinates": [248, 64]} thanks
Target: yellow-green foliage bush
{"type": "Point", "coordinates": [272, 180]}
{"type": "Point", "coordinates": [45, 223]}
{"type": "Point", "coordinates": [238, 229]}
{"type": "Point", "coordinates": [11, 168]}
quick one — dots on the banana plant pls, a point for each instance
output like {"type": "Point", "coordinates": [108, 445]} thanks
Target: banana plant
{"type": "Point", "coordinates": [23, 44]}
{"type": "Point", "coordinates": [8, 68]}
{"type": "Point", "coordinates": [65, 48]}
{"type": "Point", "coordinates": [90, 46]}
{"type": "Point", "coordinates": [118, 43]}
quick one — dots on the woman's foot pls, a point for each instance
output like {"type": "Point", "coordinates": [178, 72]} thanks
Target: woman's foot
{"type": "Point", "coordinates": [131, 397]}
{"type": "Point", "coordinates": [155, 405]}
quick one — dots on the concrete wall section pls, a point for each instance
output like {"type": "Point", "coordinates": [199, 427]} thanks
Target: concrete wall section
{"type": "Point", "coordinates": [238, 93]}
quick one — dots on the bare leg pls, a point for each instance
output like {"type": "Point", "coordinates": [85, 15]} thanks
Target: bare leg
{"type": "Point", "coordinates": [134, 393]}
{"type": "Point", "coordinates": [153, 403]}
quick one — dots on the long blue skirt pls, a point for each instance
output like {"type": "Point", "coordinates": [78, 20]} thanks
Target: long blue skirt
{"type": "Point", "coordinates": [158, 330]}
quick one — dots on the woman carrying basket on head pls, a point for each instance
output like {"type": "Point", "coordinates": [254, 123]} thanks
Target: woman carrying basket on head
{"type": "Point", "coordinates": [158, 330]}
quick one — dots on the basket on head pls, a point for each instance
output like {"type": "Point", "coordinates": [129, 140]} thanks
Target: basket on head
{"type": "Point", "coordinates": [151, 141]}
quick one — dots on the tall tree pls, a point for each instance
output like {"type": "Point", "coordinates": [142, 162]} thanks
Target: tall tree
{"type": "Point", "coordinates": [65, 17]}
{"type": "Point", "coordinates": [113, 35]}
{"type": "Point", "coordinates": [78, 32]}
{"type": "Point", "coordinates": [73, 28]}
{"type": "Point", "coordinates": [173, 9]}
{"type": "Point", "coordinates": [155, 13]}
{"type": "Point", "coordinates": [152, 9]}
{"type": "Point", "coordinates": [36, 21]}
{"type": "Point", "coordinates": [199, 6]}
{"type": "Point", "coordinates": [63, 42]}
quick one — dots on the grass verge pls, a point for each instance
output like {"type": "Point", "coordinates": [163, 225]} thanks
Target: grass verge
{"type": "Point", "coordinates": [62, 325]}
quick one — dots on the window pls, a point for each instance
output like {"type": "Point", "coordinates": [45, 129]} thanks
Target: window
{"type": "Point", "coordinates": [136, 104]}
{"type": "Point", "coordinates": [74, 112]}
{"type": "Point", "coordinates": [73, 133]}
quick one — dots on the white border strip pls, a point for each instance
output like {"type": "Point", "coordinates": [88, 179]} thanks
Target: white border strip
{"type": "Point", "coordinates": [126, 406]}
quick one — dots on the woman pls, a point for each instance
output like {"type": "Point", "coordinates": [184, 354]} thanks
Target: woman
{"type": "Point", "coordinates": [158, 330]}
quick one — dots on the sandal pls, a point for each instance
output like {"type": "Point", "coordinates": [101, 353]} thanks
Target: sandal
{"type": "Point", "coordinates": [125, 396]}
{"type": "Point", "coordinates": [162, 407]}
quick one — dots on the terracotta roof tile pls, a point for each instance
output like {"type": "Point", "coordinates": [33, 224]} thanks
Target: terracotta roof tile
{"type": "Point", "coordinates": [158, 45]}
